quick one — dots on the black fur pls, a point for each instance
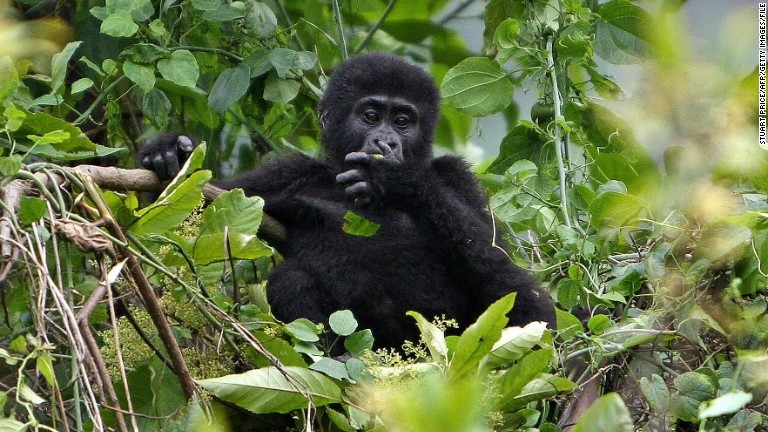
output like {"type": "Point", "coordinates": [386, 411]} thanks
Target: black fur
{"type": "Point", "coordinates": [436, 251]}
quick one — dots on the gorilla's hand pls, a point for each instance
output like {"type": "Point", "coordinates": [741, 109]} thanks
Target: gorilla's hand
{"type": "Point", "coordinates": [165, 154]}
{"type": "Point", "coordinates": [357, 179]}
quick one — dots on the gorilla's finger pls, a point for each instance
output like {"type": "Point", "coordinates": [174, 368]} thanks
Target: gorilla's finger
{"type": "Point", "coordinates": [358, 190]}
{"type": "Point", "coordinates": [185, 144]}
{"type": "Point", "coordinates": [146, 162]}
{"type": "Point", "coordinates": [350, 176]}
{"type": "Point", "coordinates": [362, 201]}
{"type": "Point", "coordinates": [360, 158]}
{"type": "Point", "coordinates": [159, 167]}
{"type": "Point", "coordinates": [172, 163]}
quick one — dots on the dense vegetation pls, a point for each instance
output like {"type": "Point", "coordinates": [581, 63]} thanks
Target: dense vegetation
{"type": "Point", "coordinates": [111, 307]}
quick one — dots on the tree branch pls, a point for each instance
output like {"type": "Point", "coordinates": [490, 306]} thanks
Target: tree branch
{"type": "Point", "coordinates": [137, 180]}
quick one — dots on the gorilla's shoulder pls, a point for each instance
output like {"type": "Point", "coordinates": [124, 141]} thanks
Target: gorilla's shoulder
{"type": "Point", "coordinates": [450, 166]}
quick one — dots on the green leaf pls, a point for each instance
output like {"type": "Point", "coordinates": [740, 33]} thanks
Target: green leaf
{"type": "Point", "coordinates": [542, 387]}
{"type": "Point", "coordinates": [14, 116]}
{"type": "Point", "coordinates": [181, 68]}
{"type": "Point", "coordinates": [81, 85]}
{"type": "Point", "coordinates": [303, 330]}
{"type": "Point", "coordinates": [505, 37]}
{"type": "Point", "coordinates": [514, 343]}
{"type": "Point", "coordinates": [230, 86]}
{"type": "Point", "coordinates": [234, 210]}
{"type": "Point", "coordinates": [477, 87]}
{"type": "Point", "coordinates": [284, 59]}
{"type": "Point", "coordinates": [272, 390]}
{"type": "Point", "coordinates": [616, 210]}
{"type": "Point", "coordinates": [342, 322]}
{"type": "Point", "coordinates": [206, 5]}
{"type": "Point", "coordinates": [693, 388]}
{"type": "Point", "coordinates": [119, 24]}
{"type": "Point", "coordinates": [225, 12]}
{"type": "Point", "coordinates": [10, 165]}
{"type": "Point", "coordinates": [599, 324]}
{"type": "Point", "coordinates": [359, 341]}
{"type": "Point", "coordinates": [156, 107]}
{"type": "Point", "coordinates": [608, 413]}
{"type": "Point", "coordinates": [9, 78]}
{"type": "Point", "coordinates": [12, 425]}
{"type": "Point", "coordinates": [209, 248]}
{"type": "Point", "coordinates": [59, 63]}
{"type": "Point", "coordinates": [261, 20]}
{"type": "Point", "coordinates": [280, 90]}
{"type": "Point", "coordinates": [31, 209]}
{"type": "Point", "coordinates": [656, 393]}
{"type": "Point", "coordinates": [523, 142]}
{"type": "Point", "coordinates": [331, 367]}
{"type": "Point", "coordinates": [44, 363]}
{"type": "Point", "coordinates": [479, 338]}
{"type": "Point", "coordinates": [512, 382]}
{"type": "Point", "coordinates": [172, 207]}
{"type": "Point", "coordinates": [68, 137]}
{"type": "Point", "coordinates": [144, 53]}
{"type": "Point", "coordinates": [432, 336]}
{"type": "Point", "coordinates": [143, 75]}
{"type": "Point", "coordinates": [728, 403]}
{"type": "Point", "coordinates": [357, 225]}
{"type": "Point", "coordinates": [623, 33]}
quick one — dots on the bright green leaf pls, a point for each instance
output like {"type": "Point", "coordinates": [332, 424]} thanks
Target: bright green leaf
{"type": "Point", "coordinates": [273, 390]}
{"type": "Point", "coordinates": [173, 207]}
{"type": "Point", "coordinates": [357, 225]}
{"type": "Point", "coordinates": [623, 33]}
{"type": "Point", "coordinates": [181, 68]}
{"type": "Point", "coordinates": [512, 382]}
{"type": "Point", "coordinates": [331, 367]}
{"type": "Point", "coordinates": [143, 75]}
{"type": "Point", "coordinates": [728, 403]}
{"type": "Point", "coordinates": [514, 343]}
{"type": "Point", "coordinates": [119, 24]}
{"type": "Point", "coordinates": [479, 338]}
{"type": "Point", "coordinates": [342, 322]}
{"type": "Point", "coordinates": [59, 63]}
{"type": "Point", "coordinates": [31, 209]}
{"type": "Point", "coordinates": [432, 336]}
{"type": "Point", "coordinates": [477, 87]}
{"type": "Point", "coordinates": [303, 330]}
{"type": "Point", "coordinates": [81, 85]}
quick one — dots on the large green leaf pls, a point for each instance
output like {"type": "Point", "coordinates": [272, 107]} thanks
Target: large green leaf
{"type": "Point", "coordinates": [514, 343]}
{"type": "Point", "coordinates": [280, 90]}
{"type": "Point", "coordinates": [693, 388]}
{"type": "Point", "coordinates": [622, 35]}
{"type": "Point", "coordinates": [59, 63]}
{"type": "Point", "coordinates": [512, 382]}
{"type": "Point", "coordinates": [230, 87]}
{"type": "Point", "coordinates": [477, 87]}
{"type": "Point", "coordinates": [210, 248]}
{"type": "Point", "coordinates": [522, 142]}
{"type": "Point", "coordinates": [616, 209]}
{"type": "Point", "coordinates": [141, 74]}
{"type": "Point", "coordinates": [272, 390]}
{"type": "Point", "coordinates": [608, 413]}
{"type": "Point", "coordinates": [9, 78]}
{"type": "Point", "coordinates": [180, 68]}
{"type": "Point", "coordinates": [539, 388]}
{"type": "Point", "coordinates": [479, 338]}
{"type": "Point", "coordinates": [180, 197]}
{"type": "Point", "coordinates": [284, 59]}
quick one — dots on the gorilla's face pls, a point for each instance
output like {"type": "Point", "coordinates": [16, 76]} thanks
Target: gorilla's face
{"type": "Point", "coordinates": [385, 126]}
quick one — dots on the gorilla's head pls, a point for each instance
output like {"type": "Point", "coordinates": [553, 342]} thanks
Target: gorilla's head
{"type": "Point", "coordinates": [376, 98]}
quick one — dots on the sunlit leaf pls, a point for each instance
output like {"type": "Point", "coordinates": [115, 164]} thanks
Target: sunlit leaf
{"type": "Point", "coordinates": [477, 87]}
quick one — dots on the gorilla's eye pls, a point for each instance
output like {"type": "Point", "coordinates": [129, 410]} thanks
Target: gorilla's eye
{"type": "Point", "coordinates": [402, 121]}
{"type": "Point", "coordinates": [371, 116]}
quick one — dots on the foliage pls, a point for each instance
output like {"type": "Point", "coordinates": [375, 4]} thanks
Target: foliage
{"type": "Point", "coordinates": [668, 260]}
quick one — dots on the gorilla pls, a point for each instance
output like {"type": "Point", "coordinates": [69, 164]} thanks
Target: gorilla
{"type": "Point", "coordinates": [436, 252]}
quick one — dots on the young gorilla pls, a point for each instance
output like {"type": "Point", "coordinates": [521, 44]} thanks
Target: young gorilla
{"type": "Point", "coordinates": [436, 251]}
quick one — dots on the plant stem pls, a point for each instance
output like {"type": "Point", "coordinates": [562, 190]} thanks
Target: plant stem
{"type": "Point", "coordinates": [452, 14]}
{"type": "Point", "coordinates": [558, 137]}
{"type": "Point", "coordinates": [339, 25]}
{"type": "Point", "coordinates": [376, 26]}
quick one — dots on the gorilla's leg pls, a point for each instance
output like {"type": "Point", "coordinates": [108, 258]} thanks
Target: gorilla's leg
{"type": "Point", "coordinates": [293, 292]}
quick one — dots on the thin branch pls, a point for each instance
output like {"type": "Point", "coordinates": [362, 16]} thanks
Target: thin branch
{"type": "Point", "coordinates": [376, 26]}
{"type": "Point", "coordinates": [558, 139]}
{"type": "Point", "coordinates": [455, 12]}
{"type": "Point", "coordinates": [340, 27]}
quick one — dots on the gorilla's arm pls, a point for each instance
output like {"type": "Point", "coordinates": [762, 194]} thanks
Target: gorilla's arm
{"type": "Point", "coordinates": [445, 195]}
